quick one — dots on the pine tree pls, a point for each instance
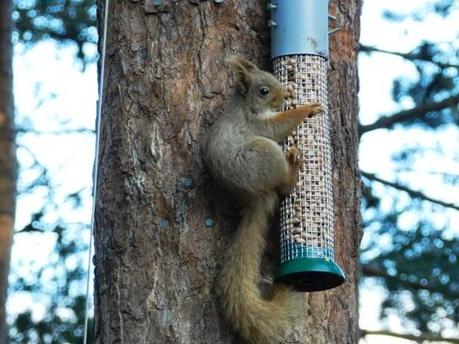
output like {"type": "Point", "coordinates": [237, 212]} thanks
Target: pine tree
{"type": "Point", "coordinates": [158, 236]}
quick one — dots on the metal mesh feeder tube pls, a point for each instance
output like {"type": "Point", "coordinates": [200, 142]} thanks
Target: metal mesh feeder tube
{"type": "Point", "coordinates": [300, 62]}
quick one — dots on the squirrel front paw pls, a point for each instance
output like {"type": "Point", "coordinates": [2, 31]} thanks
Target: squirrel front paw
{"type": "Point", "coordinates": [315, 108]}
{"type": "Point", "coordinates": [294, 157]}
{"type": "Point", "coordinates": [294, 161]}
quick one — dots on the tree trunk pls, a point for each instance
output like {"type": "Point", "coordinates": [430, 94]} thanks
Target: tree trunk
{"type": "Point", "coordinates": [7, 156]}
{"type": "Point", "coordinates": [159, 235]}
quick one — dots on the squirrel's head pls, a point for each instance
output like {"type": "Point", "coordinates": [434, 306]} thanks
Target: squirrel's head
{"type": "Point", "coordinates": [262, 90]}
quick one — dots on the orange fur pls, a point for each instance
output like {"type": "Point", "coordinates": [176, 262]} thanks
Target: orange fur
{"type": "Point", "coordinates": [283, 123]}
{"type": "Point", "coordinates": [296, 116]}
{"type": "Point", "coordinates": [258, 320]}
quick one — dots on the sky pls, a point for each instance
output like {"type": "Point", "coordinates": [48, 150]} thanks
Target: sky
{"type": "Point", "coordinates": [71, 99]}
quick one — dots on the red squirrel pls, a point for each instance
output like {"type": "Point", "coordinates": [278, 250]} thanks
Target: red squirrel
{"type": "Point", "coordinates": [244, 157]}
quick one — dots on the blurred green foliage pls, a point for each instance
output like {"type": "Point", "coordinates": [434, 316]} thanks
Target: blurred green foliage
{"type": "Point", "coordinates": [58, 288]}
{"type": "Point", "coordinates": [65, 21]}
{"type": "Point", "coordinates": [411, 249]}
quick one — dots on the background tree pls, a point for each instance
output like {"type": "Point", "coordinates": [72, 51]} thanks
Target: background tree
{"type": "Point", "coordinates": [58, 286]}
{"type": "Point", "coordinates": [158, 237]}
{"type": "Point", "coordinates": [413, 250]}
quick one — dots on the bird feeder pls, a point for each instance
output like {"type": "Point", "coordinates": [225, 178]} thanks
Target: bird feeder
{"type": "Point", "coordinates": [299, 42]}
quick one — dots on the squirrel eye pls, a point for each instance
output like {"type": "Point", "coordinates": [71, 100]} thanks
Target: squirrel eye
{"type": "Point", "coordinates": [264, 91]}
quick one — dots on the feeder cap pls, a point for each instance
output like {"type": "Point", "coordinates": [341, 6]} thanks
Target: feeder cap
{"type": "Point", "coordinates": [299, 27]}
{"type": "Point", "coordinates": [311, 274]}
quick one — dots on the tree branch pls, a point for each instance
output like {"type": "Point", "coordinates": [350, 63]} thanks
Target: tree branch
{"type": "Point", "coordinates": [69, 131]}
{"type": "Point", "coordinates": [419, 338]}
{"type": "Point", "coordinates": [408, 56]}
{"type": "Point", "coordinates": [406, 115]}
{"type": "Point", "coordinates": [412, 193]}
{"type": "Point", "coordinates": [372, 271]}
{"type": "Point", "coordinates": [433, 173]}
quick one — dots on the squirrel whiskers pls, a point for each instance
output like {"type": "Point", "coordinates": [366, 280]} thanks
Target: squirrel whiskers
{"type": "Point", "coordinates": [244, 157]}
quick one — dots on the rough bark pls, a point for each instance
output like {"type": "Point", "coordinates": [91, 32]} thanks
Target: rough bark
{"type": "Point", "coordinates": [159, 233]}
{"type": "Point", "coordinates": [7, 156]}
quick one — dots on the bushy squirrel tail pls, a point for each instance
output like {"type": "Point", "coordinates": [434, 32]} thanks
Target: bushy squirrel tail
{"type": "Point", "coordinates": [258, 320]}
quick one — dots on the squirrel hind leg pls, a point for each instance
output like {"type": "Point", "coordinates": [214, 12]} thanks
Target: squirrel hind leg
{"type": "Point", "coordinates": [263, 165]}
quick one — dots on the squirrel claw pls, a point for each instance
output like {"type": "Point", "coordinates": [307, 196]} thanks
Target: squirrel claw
{"type": "Point", "coordinates": [294, 156]}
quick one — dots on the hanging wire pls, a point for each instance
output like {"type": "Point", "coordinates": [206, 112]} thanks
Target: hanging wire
{"type": "Point", "coordinates": [96, 165]}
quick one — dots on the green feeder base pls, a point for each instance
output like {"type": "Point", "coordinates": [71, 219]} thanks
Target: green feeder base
{"type": "Point", "coordinates": [311, 274]}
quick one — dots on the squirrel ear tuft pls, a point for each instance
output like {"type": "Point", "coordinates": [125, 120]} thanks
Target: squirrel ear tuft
{"type": "Point", "coordinates": [236, 62]}
{"type": "Point", "coordinates": [242, 69]}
